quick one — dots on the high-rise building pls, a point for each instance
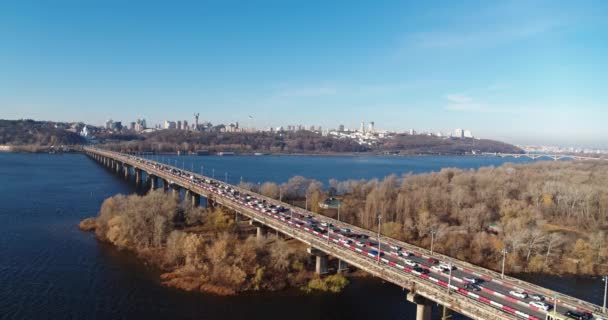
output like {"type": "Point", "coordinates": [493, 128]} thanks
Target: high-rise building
{"type": "Point", "coordinates": [109, 124]}
{"type": "Point", "coordinates": [341, 128]}
{"type": "Point", "coordinates": [467, 134]}
{"type": "Point", "coordinates": [370, 127]}
{"type": "Point", "coordinates": [184, 125]}
{"type": "Point", "coordinates": [169, 124]}
{"type": "Point", "coordinates": [412, 132]}
{"type": "Point", "coordinates": [132, 126]}
{"type": "Point", "coordinates": [362, 128]}
{"type": "Point", "coordinates": [458, 133]}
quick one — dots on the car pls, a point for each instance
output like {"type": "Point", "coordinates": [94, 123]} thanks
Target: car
{"type": "Point", "coordinates": [447, 266]}
{"type": "Point", "coordinates": [518, 294]}
{"type": "Point", "coordinates": [472, 286]}
{"type": "Point", "coordinates": [578, 315]}
{"type": "Point", "coordinates": [410, 263]}
{"type": "Point", "coordinates": [432, 260]}
{"type": "Point", "coordinates": [540, 305]}
{"type": "Point", "coordinates": [374, 253]}
{"type": "Point", "coordinates": [471, 279]}
{"type": "Point", "coordinates": [359, 244]}
{"type": "Point", "coordinates": [537, 297]}
{"type": "Point", "coordinates": [394, 247]}
{"type": "Point", "coordinates": [344, 241]}
{"type": "Point", "coordinates": [405, 253]}
{"type": "Point", "coordinates": [437, 268]}
{"type": "Point", "coordinates": [421, 270]}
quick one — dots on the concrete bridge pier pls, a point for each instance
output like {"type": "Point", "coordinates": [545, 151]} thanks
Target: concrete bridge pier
{"type": "Point", "coordinates": [175, 190]}
{"type": "Point", "coordinates": [342, 266]}
{"type": "Point", "coordinates": [126, 167]}
{"type": "Point", "coordinates": [137, 173]}
{"type": "Point", "coordinates": [260, 231]}
{"type": "Point", "coordinates": [153, 181]}
{"type": "Point", "coordinates": [165, 185]}
{"type": "Point", "coordinates": [209, 203]}
{"type": "Point", "coordinates": [423, 306]}
{"type": "Point", "coordinates": [321, 260]}
{"type": "Point", "coordinates": [187, 196]}
{"type": "Point", "coordinates": [196, 199]}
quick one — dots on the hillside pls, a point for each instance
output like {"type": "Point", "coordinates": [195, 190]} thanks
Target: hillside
{"type": "Point", "coordinates": [421, 144]}
{"type": "Point", "coordinates": [301, 142]}
{"type": "Point", "coordinates": [30, 132]}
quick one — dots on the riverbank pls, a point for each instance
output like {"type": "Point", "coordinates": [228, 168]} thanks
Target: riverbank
{"type": "Point", "coordinates": [204, 251]}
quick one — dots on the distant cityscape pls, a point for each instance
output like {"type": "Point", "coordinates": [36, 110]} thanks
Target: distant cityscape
{"type": "Point", "coordinates": [365, 134]}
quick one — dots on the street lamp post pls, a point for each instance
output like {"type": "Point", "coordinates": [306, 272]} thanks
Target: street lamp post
{"type": "Point", "coordinates": [213, 173]}
{"type": "Point", "coordinates": [338, 212]}
{"type": "Point", "coordinates": [379, 222]}
{"type": "Point", "coordinates": [226, 177]}
{"type": "Point", "coordinates": [605, 278]}
{"type": "Point", "coordinates": [433, 232]}
{"type": "Point", "coordinates": [450, 277]}
{"type": "Point", "coordinates": [504, 257]}
{"type": "Point", "coordinates": [202, 171]}
{"type": "Point", "coordinates": [306, 203]}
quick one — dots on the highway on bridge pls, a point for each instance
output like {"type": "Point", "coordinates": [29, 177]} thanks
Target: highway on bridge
{"type": "Point", "coordinates": [474, 291]}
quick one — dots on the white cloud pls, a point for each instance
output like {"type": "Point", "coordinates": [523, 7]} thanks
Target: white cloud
{"type": "Point", "coordinates": [458, 98]}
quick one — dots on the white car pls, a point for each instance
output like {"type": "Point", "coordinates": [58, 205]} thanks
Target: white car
{"type": "Point", "coordinates": [447, 266]}
{"type": "Point", "coordinates": [360, 244]}
{"type": "Point", "coordinates": [470, 279]}
{"type": "Point", "coordinates": [394, 247]}
{"type": "Point", "coordinates": [406, 253]}
{"type": "Point", "coordinates": [410, 263]}
{"type": "Point", "coordinates": [540, 305]}
{"type": "Point", "coordinates": [437, 268]}
{"type": "Point", "coordinates": [518, 294]}
{"type": "Point", "coordinates": [537, 297]}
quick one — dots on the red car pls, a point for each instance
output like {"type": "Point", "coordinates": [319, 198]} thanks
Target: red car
{"type": "Point", "coordinates": [433, 261]}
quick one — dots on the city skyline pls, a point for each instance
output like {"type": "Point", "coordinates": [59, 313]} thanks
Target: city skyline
{"type": "Point", "coordinates": [520, 72]}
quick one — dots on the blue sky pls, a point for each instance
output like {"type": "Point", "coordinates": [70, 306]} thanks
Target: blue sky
{"type": "Point", "coordinates": [519, 71]}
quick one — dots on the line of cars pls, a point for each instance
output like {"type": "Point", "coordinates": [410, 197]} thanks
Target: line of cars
{"type": "Point", "coordinates": [345, 235]}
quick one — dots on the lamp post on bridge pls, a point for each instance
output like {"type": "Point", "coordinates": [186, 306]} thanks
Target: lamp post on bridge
{"type": "Point", "coordinates": [450, 276]}
{"type": "Point", "coordinates": [379, 222]}
{"type": "Point", "coordinates": [226, 177]}
{"type": "Point", "coordinates": [605, 279]}
{"type": "Point", "coordinates": [504, 258]}
{"type": "Point", "coordinates": [213, 173]}
{"type": "Point", "coordinates": [433, 233]}
{"type": "Point", "coordinates": [202, 170]}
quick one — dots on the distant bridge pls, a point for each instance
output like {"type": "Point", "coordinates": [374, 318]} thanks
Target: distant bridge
{"type": "Point", "coordinates": [555, 157]}
{"type": "Point", "coordinates": [408, 266]}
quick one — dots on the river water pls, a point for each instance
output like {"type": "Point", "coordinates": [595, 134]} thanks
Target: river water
{"type": "Point", "coordinates": [51, 270]}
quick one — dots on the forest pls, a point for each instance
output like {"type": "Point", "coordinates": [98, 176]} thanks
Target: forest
{"type": "Point", "coordinates": [551, 216]}
{"type": "Point", "coordinates": [204, 250]}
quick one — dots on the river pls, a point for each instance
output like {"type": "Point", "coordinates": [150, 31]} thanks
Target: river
{"type": "Point", "coordinates": [51, 270]}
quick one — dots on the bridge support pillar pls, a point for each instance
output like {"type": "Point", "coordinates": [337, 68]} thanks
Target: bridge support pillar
{"type": "Point", "coordinates": [321, 260]}
{"type": "Point", "coordinates": [187, 196]}
{"type": "Point", "coordinates": [196, 199]}
{"type": "Point", "coordinates": [423, 306]}
{"type": "Point", "coordinates": [153, 181]}
{"type": "Point", "coordinates": [342, 266]}
{"type": "Point", "coordinates": [126, 167]}
{"type": "Point", "coordinates": [175, 190]}
{"type": "Point", "coordinates": [165, 185]}
{"type": "Point", "coordinates": [260, 230]}
{"type": "Point", "coordinates": [137, 176]}
{"type": "Point", "coordinates": [209, 202]}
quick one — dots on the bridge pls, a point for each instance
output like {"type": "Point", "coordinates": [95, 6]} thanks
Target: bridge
{"type": "Point", "coordinates": [554, 157]}
{"type": "Point", "coordinates": [429, 278]}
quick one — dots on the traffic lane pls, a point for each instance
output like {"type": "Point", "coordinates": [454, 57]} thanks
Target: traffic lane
{"type": "Point", "coordinates": [458, 280]}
